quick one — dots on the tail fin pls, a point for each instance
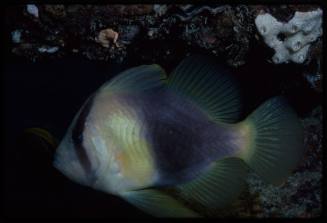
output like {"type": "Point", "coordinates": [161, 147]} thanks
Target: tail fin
{"type": "Point", "coordinates": [275, 140]}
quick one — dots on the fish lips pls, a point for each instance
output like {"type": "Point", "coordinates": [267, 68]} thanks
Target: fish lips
{"type": "Point", "coordinates": [69, 163]}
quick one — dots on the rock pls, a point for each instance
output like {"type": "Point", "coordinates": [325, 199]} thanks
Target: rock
{"type": "Point", "coordinates": [128, 33]}
{"type": "Point", "coordinates": [129, 10]}
{"type": "Point", "coordinates": [57, 11]}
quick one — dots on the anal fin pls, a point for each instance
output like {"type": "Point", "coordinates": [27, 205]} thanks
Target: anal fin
{"type": "Point", "coordinates": [158, 204]}
{"type": "Point", "coordinates": [217, 188]}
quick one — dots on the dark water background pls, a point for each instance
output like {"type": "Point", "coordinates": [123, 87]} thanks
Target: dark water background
{"type": "Point", "coordinates": [47, 94]}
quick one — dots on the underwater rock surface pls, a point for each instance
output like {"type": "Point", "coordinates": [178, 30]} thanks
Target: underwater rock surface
{"type": "Point", "coordinates": [222, 30]}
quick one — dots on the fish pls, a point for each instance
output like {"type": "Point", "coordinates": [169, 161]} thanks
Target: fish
{"type": "Point", "coordinates": [174, 145]}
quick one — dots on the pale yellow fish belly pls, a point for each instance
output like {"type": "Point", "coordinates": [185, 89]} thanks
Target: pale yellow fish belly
{"type": "Point", "coordinates": [116, 131]}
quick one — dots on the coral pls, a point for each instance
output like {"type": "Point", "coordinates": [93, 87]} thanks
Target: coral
{"type": "Point", "coordinates": [291, 40]}
{"type": "Point", "coordinates": [313, 79]}
{"type": "Point", "coordinates": [227, 31]}
{"type": "Point", "coordinates": [48, 49]}
{"type": "Point", "coordinates": [315, 71]}
{"type": "Point", "coordinates": [242, 17]}
{"type": "Point", "coordinates": [160, 10]}
{"type": "Point", "coordinates": [33, 10]}
{"type": "Point", "coordinates": [129, 10]}
{"type": "Point", "coordinates": [16, 36]}
{"type": "Point", "coordinates": [57, 11]}
{"type": "Point", "coordinates": [220, 29]}
{"type": "Point", "coordinates": [106, 36]}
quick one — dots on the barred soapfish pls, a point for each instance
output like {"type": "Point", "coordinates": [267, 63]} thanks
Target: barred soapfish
{"type": "Point", "coordinates": [174, 146]}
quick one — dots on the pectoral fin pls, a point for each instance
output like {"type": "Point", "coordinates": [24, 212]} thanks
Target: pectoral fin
{"type": "Point", "coordinates": [158, 204]}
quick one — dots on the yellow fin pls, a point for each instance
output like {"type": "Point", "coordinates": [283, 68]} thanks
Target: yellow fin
{"type": "Point", "coordinates": [219, 187]}
{"type": "Point", "coordinates": [158, 204]}
{"type": "Point", "coordinates": [44, 135]}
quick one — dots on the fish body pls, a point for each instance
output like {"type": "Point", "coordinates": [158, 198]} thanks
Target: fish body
{"type": "Point", "coordinates": [143, 133]}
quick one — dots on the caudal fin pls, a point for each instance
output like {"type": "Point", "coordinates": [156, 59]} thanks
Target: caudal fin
{"type": "Point", "coordinates": [275, 140]}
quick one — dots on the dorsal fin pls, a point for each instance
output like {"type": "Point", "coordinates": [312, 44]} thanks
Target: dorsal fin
{"type": "Point", "coordinates": [209, 85]}
{"type": "Point", "coordinates": [137, 79]}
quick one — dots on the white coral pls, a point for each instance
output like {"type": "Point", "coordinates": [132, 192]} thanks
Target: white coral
{"type": "Point", "coordinates": [33, 10]}
{"type": "Point", "coordinates": [303, 29]}
{"type": "Point", "coordinates": [16, 36]}
{"type": "Point", "coordinates": [48, 49]}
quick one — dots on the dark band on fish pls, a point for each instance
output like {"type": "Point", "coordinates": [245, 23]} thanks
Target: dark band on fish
{"type": "Point", "coordinates": [174, 136]}
{"type": "Point", "coordinates": [77, 135]}
{"type": "Point", "coordinates": [184, 140]}
{"type": "Point", "coordinates": [176, 150]}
